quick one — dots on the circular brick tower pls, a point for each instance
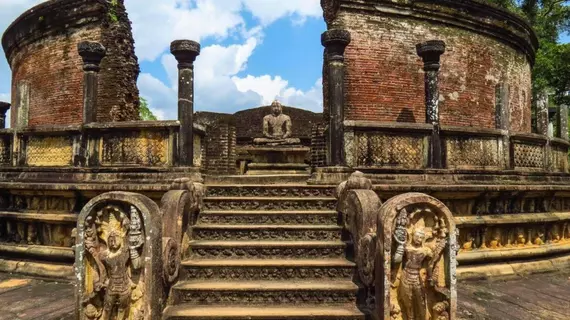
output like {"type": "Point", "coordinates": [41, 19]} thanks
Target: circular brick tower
{"type": "Point", "coordinates": [435, 97]}
{"type": "Point", "coordinates": [47, 75]}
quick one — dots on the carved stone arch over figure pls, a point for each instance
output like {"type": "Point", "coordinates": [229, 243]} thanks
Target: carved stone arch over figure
{"type": "Point", "coordinates": [118, 264]}
{"type": "Point", "coordinates": [417, 248]}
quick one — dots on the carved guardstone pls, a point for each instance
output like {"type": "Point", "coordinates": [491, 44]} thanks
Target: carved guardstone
{"type": "Point", "coordinates": [118, 264]}
{"type": "Point", "coordinates": [416, 276]}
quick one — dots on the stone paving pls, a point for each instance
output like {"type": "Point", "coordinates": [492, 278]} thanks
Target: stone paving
{"type": "Point", "coordinates": [543, 296]}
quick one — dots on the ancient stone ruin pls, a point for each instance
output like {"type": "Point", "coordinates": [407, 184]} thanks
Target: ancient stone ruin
{"type": "Point", "coordinates": [422, 169]}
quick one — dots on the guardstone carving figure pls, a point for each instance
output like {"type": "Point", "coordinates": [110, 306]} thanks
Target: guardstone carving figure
{"type": "Point", "coordinates": [113, 240]}
{"type": "Point", "coordinates": [277, 128]}
{"type": "Point", "coordinates": [417, 238]}
{"type": "Point", "coordinates": [118, 259]}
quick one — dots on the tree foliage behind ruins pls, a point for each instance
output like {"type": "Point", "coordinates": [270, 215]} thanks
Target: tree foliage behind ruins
{"type": "Point", "coordinates": [550, 19]}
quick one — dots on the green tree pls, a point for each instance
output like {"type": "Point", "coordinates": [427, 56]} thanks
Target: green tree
{"type": "Point", "coordinates": [144, 111]}
{"type": "Point", "coordinates": [550, 19]}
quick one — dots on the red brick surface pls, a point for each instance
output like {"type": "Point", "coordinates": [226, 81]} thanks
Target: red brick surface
{"type": "Point", "coordinates": [385, 78]}
{"type": "Point", "coordinates": [42, 53]}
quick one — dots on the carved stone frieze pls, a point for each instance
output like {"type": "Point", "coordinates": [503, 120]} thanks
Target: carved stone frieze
{"type": "Point", "coordinates": [417, 279]}
{"type": "Point", "coordinates": [270, 273]}
{"type": "Point", "coordinates": [117, 259]}
{"type": "Point", "coordinates": [210, 204]}
{"type": "Point", "coordinates": [267, 234]}
{"type": "Point", "coordinates": [267, 297]}
{"type": "Point", "coordinates": [281, 219]}
{"type": "Point", "coordinates": [36, 233]}
{"type": "Point", "coordinates": [269, 192]}
{"type": "Point", "coordinates": [266, 253]}
{"type": "Point", "coordinates": [38, 202]}
{"type": "Point", "coordinates": [514, 236]}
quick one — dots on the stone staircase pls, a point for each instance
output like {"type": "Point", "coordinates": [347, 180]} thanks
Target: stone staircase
{"type": "Point", "coordinates": [266, 252]}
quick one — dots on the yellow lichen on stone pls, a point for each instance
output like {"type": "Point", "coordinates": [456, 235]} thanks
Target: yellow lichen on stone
{"type": "Point", "coordinates": [49, 151]}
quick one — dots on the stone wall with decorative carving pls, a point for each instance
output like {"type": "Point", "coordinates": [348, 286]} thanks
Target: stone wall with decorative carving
{"type": "Point", "coordinates": [118, 264]}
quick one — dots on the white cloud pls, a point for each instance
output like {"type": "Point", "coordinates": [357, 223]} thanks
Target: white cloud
{"type": "Point", "coordinates": [157, 23]}
{"type": "Point", "coordinates": [218, 88]}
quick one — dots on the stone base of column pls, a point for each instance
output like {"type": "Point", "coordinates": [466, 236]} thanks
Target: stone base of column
{"type": "Point", "coordinates": [330, 175]}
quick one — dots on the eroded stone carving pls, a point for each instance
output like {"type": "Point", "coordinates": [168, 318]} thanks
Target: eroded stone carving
{"type": "Point", "coordinates": [359, 206]}
{"type": "Point", "coordinates": [117, 258]}
{"type": "Point", "coordinates": [277, 128]}
{"type": "Point", "coordinates": [417, 238]}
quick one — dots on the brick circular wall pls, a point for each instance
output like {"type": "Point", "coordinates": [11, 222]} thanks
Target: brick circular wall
{"type": "Point", "coordinates": [486, 47]}
{"type": "Point", "coordinates": [47, 74]}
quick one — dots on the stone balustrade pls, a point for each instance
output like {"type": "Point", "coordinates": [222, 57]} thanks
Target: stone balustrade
{"type": "Point", "coordinates": [379, 145]}
{"type": "Point", "coordinates": [114, 144]}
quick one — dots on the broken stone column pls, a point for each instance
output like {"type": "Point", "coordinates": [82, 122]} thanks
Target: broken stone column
{"type": "Point", "coordinates": [92, 54]}
{"type": "Point", "coordinates": [562, 122]}
{"type": "Point", "coordinates": [335, 42]}
{"type": "Point", "coordinates": [431, 52]}
{"type": "Point", "coordinates": [542, 113]}
{"type": "Point", "coordinates": [185, 52]}
{"type": "Point", "coordinates": [502, 122]}
{"type": "Point", "coordinates": [4, 107]}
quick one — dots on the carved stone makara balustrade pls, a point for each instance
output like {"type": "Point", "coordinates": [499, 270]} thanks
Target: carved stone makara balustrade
{"type": "Point", "coordinates": [129, 250]}
{"type": "Point", "coordinates": [405, 251]}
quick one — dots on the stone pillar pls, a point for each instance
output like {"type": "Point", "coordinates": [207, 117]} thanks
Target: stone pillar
{"type": "Point", "coordinates": [185, 52]}
{"type": "Point", "coordinates": [4, 107]}
{"type": "Point", "coordinates": [562, 122]}
{"type": "Point", "coordinates": [431, 52]}
{"type": "Point", "coordinates": [92, 54]}
{"type": "Point", "coordinates": [502, 122]}
{"type": "Point", "coordinates": [542, 114]}
{"type": "Point", "coordinates": [335, 42]}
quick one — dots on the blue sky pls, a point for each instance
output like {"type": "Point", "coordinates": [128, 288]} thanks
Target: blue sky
{"type": "Point", "coordinates": [253, 51]}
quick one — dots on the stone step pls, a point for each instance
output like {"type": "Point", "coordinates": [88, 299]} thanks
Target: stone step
{"type": "Point", "coordinates": [300, 292]}
{"type": "Point", "coordinates": [269, 203]}
{"type": "Point", "coordinates": [268, 269]}
{"type": "Point", "coordinates": [265, 217]}
{"type": "Point", "coordinates": [267, 232]}
{"type": "Point", "coordinates": [267, 249]}
{"type": "Point", "coordinates": [277, 179]}
{"type": "Point", "coordinates": [286, 312]}
{"type": "Point", "coordinates": [265, 190]}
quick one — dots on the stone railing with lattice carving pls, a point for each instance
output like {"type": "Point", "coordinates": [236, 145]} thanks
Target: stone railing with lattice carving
{"type": "Point", "coordinates": [470, 148]}
{"type": "Point", "coordinates": [117, 144]}
{"type": "Point", "coordinates": [6, 138]}
{"type": "Point", "coordinates": [373, 145]}
{"type": "Point", "coordinates": [528, 152]}
{"type": "Point", "coordinates": [47, 147]}
{"type": "Point", "coordinates": [395, 245]}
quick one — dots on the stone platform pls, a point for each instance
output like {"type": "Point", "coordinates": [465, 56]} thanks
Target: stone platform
{"type": "Point", "coordinates": [278, 160]}
{"type": "Point", "coordinates": [539, 296]}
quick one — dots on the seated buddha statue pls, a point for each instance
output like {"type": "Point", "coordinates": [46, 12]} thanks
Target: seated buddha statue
{"type": "Point", "coordinates": [277, 128]}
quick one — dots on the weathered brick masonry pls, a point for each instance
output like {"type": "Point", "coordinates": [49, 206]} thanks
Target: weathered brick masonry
{"type": "Point", "coordinates": [384, 75]}
{"type": "Point", "coordinates": [47, 75]}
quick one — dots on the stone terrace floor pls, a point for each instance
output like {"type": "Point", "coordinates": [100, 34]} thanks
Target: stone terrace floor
{"type": "Point", "coordinates": [543, 296]}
